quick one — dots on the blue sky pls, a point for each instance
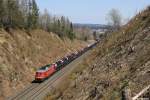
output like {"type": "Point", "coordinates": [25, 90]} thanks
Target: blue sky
{"type": "Point", "coordinates": [91, 11]}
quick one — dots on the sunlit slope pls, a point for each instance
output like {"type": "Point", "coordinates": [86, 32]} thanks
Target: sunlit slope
{"type": "Point", "coordinates": [21, 53]}
{"type": "Point", "coordinates": [122, 60]}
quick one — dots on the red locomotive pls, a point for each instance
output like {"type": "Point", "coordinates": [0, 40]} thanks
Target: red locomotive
{"type": "Point", "coordinates": [44, 72]}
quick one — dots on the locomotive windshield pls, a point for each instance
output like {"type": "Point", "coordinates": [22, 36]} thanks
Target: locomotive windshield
{"type": "Point", "coordinates": [45, 67]}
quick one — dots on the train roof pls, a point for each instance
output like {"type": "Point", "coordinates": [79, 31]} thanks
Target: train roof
{"type": "Point", "coordinates": [44, 68]}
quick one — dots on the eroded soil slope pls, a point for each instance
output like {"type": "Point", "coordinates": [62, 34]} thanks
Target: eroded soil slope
{"type": "Point", "coordinates": [22, 53]}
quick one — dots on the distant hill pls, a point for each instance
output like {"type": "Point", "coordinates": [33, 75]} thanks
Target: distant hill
{"type": "Point", "coordinates": [92, 26]}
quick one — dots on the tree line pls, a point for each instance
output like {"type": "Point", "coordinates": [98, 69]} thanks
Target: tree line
{"type": "Point", "coordinates": [24, 14]}
{"type": "Point", "coordinates": [57, 24]}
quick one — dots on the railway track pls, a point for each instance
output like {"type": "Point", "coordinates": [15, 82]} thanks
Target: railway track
{"type": "Point", "coordinates": [37, 91]}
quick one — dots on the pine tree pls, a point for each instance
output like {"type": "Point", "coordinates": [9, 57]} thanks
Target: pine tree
{"type": "Point", "coordinates": [94, 35]}
{"type": "Point", "coordinates": [1, 12]}
{"type": "Point", "coordinates": [29, 16]}
{"type": "Point", "coordinates": [71, 34]}
{"type": "Point", "coordinates": [14, 15]}
{"type": "Point", "coordinates": [58, 28]}
{"type": "Point", "coordinates": [24, 8]}
{"type": "Point", "coordinates": [35, 14]}
{"type": "Point", "coordinates": [11, 7]}
{"type": "Point", "coordinates": [71, 27]}
{"type": "Point", "coordinates": [19, 16]}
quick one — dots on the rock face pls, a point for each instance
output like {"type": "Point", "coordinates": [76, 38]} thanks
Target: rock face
{"type": "Point", "coordinates": [22, 53]}
{"type": "Point", "coordinates": [122, 60]}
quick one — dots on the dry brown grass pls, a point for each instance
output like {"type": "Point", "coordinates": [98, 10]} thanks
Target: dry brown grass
{"type": "Point", "coordinates": [22, 53]}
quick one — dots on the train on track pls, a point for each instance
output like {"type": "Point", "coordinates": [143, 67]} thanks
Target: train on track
{"type": "Point", "coordinates": [46, 71]}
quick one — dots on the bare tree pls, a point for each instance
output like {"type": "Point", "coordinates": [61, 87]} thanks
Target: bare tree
{"type": "Point", "coordinates": [114, 18]}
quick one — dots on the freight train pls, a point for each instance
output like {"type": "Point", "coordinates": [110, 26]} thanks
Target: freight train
{"type": "Point", "coordinates": [48, 70]}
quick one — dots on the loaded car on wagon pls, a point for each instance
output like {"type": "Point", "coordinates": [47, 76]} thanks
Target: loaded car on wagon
{"type": "Point", "coordinates": [59, 64]}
